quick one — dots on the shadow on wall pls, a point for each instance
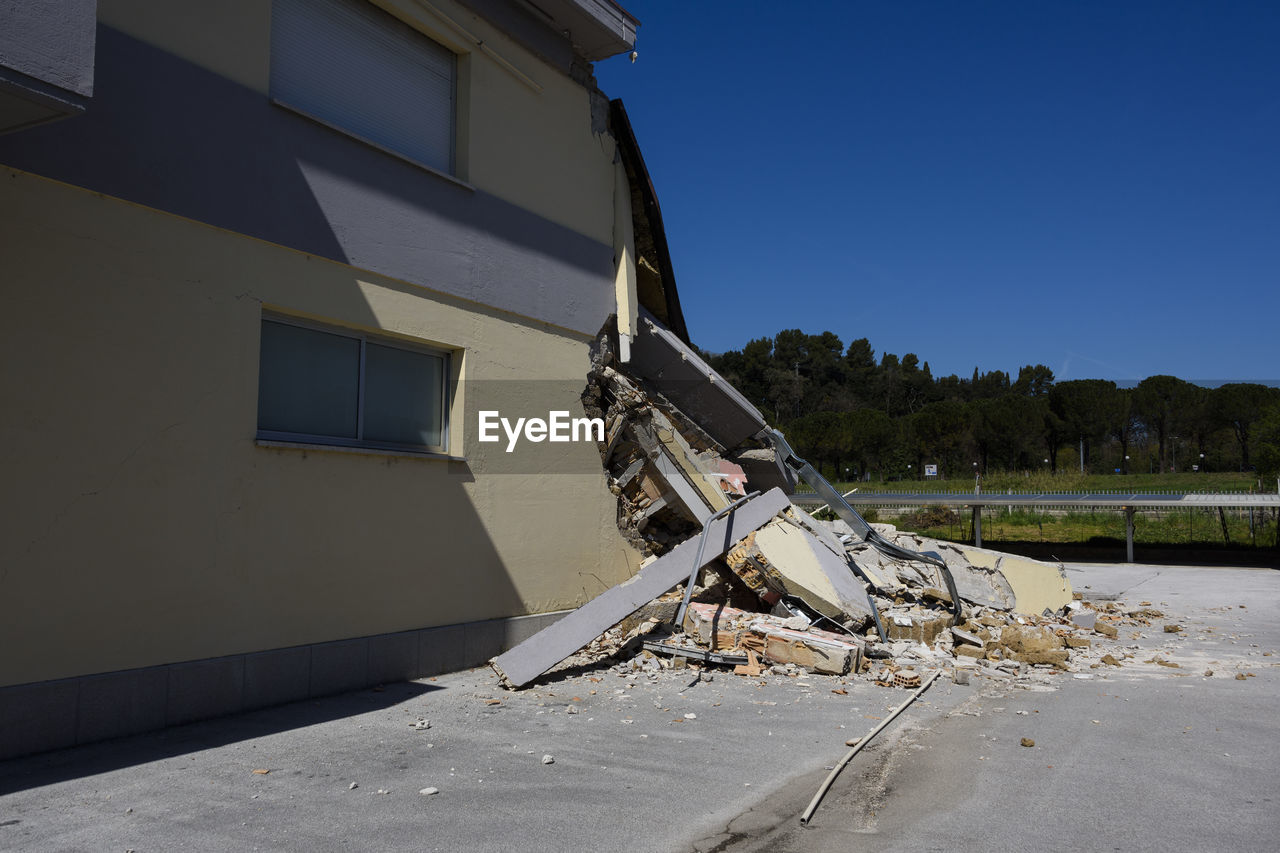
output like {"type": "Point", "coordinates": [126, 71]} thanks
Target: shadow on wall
{"type": "Point", "coordinates": [173, 136]}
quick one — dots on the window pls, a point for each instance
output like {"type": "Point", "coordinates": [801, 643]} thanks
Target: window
{"type": "Point", "coordinates": [336, 387]}
{"type": "Point", "coordinates": [362, 71]}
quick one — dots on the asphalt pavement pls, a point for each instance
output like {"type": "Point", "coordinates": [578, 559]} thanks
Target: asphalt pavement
{"type": "Point", "coordinates": [1144, 756]}
{"type": "Point", "coordinates": [1141, 757]}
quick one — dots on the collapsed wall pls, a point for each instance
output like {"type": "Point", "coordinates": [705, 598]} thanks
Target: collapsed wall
{"type": "Point", "coordinates": [737, 575]}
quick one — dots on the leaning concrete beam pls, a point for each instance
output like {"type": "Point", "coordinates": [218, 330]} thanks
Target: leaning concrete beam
{"type": "Point", "coordinates": [556, 642]}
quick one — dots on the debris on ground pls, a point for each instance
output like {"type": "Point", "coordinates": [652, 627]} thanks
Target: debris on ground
{"type": "Point", "coordinates": [736, 576]}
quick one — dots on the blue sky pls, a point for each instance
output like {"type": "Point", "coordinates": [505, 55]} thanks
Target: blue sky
{"type": "Point", "coordinates": [1090, 185]}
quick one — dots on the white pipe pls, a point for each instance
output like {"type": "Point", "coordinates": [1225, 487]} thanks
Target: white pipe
{"type": "Point", "coordinates": [835, 771]}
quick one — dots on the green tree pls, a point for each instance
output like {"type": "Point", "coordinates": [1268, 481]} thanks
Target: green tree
{"type": "Point", "coordinates": [941, 432]}
{"type": "Point", "coordinates": [1159, 401]}
{"type": "Point", "coordinates": [1005, 430]}
{"type": "Point", "coordinates": [1266, 439]}
{"type": "Point", "coordinates": [1240, 405]}
{"type": "Point", "coordinates": [871, 435]}
{"type": "Point", "coordinates": [1121, 421]}
{"type": "Point", "coordinates": [1033, 381]}
{"type": "Point", "coordinates": [1082, 406]}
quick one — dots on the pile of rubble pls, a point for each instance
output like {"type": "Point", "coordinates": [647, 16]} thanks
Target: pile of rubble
{"type": "Point", "coordinates": [737, 576]}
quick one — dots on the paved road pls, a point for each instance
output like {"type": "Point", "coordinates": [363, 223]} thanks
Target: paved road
{"type": "Point", "coordinates": [1185, 763]}
{"type": "Point", "coordinates": [1146, 757]}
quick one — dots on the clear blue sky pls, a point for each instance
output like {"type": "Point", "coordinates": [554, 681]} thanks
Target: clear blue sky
{"type": "Point", "coordinates": [1090, 185]}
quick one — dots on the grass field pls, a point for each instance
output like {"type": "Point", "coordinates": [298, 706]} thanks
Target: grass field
{"type": "Point", "coordinates": [1195, 526]}
{"type": "Point", "coordinates": [1190, 527]}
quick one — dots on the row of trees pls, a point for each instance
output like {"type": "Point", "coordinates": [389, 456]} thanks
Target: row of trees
{"type": "Point", "coordinates": [845, 409]}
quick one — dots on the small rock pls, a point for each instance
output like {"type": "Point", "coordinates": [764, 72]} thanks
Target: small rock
{"type": "Point", "coordinates": [547, 759]}
{"type": "Point", "coordinates": [691, 716]}
{"type": "Point", "coordinates": [427, 792]}
{"type": "Point", "coordinates": [353, 786]}
{"type": "Point", "coordinates": [1240, 676]}
{"type": "Point", "coordinates": [1026, 741]}
{"type": "Point", "coordinates": [1110, 660]}
{"type": "Point", "coordinates": [1172, 629]}
{"type": "Point", "coordinates": [1208, 673]}
{"type": "Point", "coordinates": [572, 709]}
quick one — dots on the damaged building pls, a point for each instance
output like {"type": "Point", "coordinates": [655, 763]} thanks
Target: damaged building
{"type": "Point", "coordinates": [255, 308]}
{"type": "Point", "coordinates": [734, 573]}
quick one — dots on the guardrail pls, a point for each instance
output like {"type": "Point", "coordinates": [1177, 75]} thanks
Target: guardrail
{"type": "Point", "coordinates": [1127, 501]}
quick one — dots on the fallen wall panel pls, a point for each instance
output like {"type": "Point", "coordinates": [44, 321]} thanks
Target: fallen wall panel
{"type": "Point", "coordinates": [555, 643]}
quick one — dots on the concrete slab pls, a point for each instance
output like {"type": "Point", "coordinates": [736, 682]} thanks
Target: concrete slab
{"type": "Point", "coordinates": [810, 570]}
{"type": "Point", "coordinates": [692, 385]}
{"type": "Point", "coordinates": [553, 644]}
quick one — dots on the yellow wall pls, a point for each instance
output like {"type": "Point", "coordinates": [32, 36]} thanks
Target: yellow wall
{"type": "Point", "coordinates": [143, 523]}
{"type": "Point", "coordinates": [532, 148]}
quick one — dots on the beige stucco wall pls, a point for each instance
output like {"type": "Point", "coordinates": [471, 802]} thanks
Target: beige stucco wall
{"type": "Point", "coordinates": [532, 146]}
{"type": "Point", "coordinates": [143, 524]}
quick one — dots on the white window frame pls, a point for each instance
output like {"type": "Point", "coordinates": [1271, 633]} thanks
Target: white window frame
{"type": "Point", "coordinates": [359, 441]}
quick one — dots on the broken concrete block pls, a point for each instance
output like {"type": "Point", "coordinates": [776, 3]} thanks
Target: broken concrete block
{"type": "Point", "coordinates": [1106, 630]}
{"type": "Point", "coordinates": [969, 652]}
{"type": "Point", "coordinates": [1084, 618]}
{"type": "Point", "coordinates": [716, 625]}
{"type": "Point", "coordinates": [966, 637]}
{"type": "Point", "coordinates": [554, 643]}
{"type": "Point", "coordinates": [993, 579]}
{"type": "Point", "coordinates": [1057, 657]}
{"type": "Point", "coordinates": [1077, 642]}
{"type": "Point", "coordinates": [1030, 639]}
{"type": "Point", "coordinates": [1036, 586]}
{"type": "Point", "coordinates": [797, 563]}
{"type": "Point", "coordinates": [919, 627]}
{"type": "Point", "coordinates": [804, 650]}
{"type": "Point", "coordinates": [813, 649]}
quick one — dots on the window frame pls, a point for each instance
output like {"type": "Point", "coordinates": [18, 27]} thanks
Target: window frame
{"type": "Point", "coordinates": [364, 338]}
